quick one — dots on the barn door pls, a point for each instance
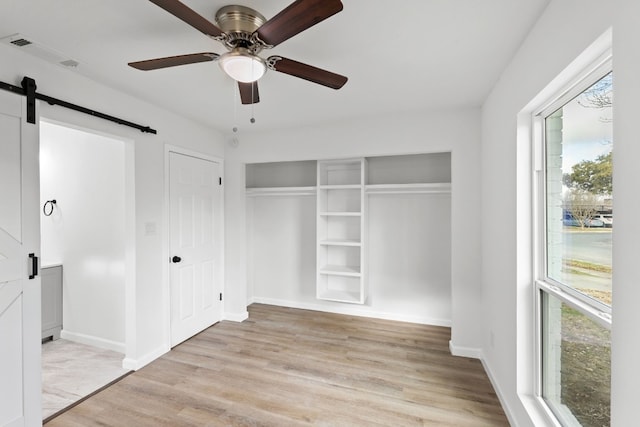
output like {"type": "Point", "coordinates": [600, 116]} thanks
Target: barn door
{"type": "Point", "coordinates": [20, 384]}
{"type": "Point", "coordinates": [195, 199]}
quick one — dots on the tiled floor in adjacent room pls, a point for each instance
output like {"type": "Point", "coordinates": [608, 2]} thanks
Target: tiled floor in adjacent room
{"type": "Point", "coordinates": [71, 371]}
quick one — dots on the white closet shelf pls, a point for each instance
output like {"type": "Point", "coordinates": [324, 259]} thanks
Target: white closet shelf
{"type": "Point", "coordinates": [340, 242]}
{"type": "Point", "coordinates": [426, 188]}
{"type": "Point", "coordinates": [340, 187]}
{"type": "Point", "coordinates": [341, 270]}
{"type": "Point", "coordinates": [433, 188]}
{"type": "Point", "coordinates": [340, 213]}
{"type": "Point", "coordinates": [280, 191]}
{"type": "Point", "coordinates": [340, 296]}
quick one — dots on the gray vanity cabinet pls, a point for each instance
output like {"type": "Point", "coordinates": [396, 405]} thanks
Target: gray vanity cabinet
{"type": "Point", "coordinates": [51, 302]}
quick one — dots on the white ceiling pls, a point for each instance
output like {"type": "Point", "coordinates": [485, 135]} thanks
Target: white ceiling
{"type": "Point", "coordinates": [399, 55]}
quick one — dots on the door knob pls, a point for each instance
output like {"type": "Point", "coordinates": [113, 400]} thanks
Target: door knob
{"type": "Point", "coordinates": [176, 259]}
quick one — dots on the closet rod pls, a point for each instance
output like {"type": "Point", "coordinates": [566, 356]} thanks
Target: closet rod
{"type": "Point", "coordinates": [28, 89]}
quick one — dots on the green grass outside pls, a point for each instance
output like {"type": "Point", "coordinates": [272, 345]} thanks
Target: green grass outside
{"type": "Point", "coordinates": [586, 368]}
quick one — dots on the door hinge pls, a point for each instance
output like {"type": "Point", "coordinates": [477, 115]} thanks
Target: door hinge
{"type": "Point", "coordinates": [219, 180]}
{"type": "Point", "coordinates": [220, 296]}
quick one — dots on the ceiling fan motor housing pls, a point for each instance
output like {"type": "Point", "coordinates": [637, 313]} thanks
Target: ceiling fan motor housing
{"type": "Point", "coordinates": [239, 23]}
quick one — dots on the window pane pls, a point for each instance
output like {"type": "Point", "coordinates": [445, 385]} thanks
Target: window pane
{"type": "Point", "coordinates": [576, 365]}
{"type": "Point", "coordinates": [579, 192]}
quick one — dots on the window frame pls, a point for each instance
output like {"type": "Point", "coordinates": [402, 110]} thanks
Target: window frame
{"type": "Point", "coordinates": [596, 310]}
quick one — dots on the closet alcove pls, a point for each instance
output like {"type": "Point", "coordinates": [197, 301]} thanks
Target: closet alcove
{"type": "Point", "coordinates": [368, 236]}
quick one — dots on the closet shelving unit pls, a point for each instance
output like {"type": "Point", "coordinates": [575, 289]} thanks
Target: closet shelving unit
{"type": "Point", "coordinates": [342, 189]}
{"type": "Point", "coordinates": [341, 225]}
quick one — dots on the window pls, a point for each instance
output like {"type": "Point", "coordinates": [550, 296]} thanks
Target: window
{"type": "Point", "coordinates": [574, 278]}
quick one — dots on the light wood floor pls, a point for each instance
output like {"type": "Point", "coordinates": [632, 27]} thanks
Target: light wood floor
{"type": "Point", "coordinates": [287, 367]}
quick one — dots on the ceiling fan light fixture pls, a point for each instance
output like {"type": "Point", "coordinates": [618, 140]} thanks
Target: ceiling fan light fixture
{"type": "Point", "coordinates": [242, 66]}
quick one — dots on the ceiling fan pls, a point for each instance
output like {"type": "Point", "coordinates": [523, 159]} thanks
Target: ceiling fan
{"type": "Point", "coordinates": [245, 33]}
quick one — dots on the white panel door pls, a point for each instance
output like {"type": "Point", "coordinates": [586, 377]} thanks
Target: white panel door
{"type": "Point", "coordinates": [195, 198]}
{"type": "Point", "coordinates": [20, 383]}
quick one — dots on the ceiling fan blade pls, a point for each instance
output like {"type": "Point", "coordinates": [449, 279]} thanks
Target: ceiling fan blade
{"type": "Point", "coordinates": [172, 61]}
{"type": "Point", "coordinates": [295, 18]}
{"type": "Point", "coordinates": [307, 72]}
{"type": "Point", "coordinates": [249, 93]}
{"type": "Point", "coordinates": [181, 11]}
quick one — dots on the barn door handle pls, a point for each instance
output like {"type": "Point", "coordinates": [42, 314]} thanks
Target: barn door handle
{"type": "Point", "coordinates": [34, 266]}
{"type": "Point", "coordinates": [176, 259]}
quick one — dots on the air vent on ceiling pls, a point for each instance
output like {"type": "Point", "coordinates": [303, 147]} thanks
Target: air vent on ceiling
{"type": "Point", "coordinates": [70, 63]}
{"type": "Point", "coordinates": [21, 42]}
{"type": "Point", "coordinates": [28, 45]}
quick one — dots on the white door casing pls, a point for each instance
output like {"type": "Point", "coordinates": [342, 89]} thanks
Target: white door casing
{"type": "Point", "coordinates": [20, 372]}
{"type": "Point", "coordinates": [195, 242]}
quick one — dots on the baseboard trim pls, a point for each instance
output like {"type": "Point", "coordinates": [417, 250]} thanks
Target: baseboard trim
{"type": "Point", "coordinates": [496, 387]}
{"type": "Point", "coordinates": [353, 310]}
{"type": "Point", "coordinates": [93, 341]}
{"type": "Point", "coordinates": [474, 353]}
{"type": "Point", "coordinates": [135, 364]}
{"type": "Point", "coordinates": [536, 412]}
{"type": "Point", "coordinates": [236, 317]}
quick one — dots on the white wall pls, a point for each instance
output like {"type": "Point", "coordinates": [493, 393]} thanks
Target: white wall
{"type": "Point", "coordinates": [562, 34]}
{"type": "Point", "coordinates": [410, 256]}
{"type": "Point", "coordinates": [85, 174]}
{"type": "Point", "coordinates": [424, 131]}
{"type": "Point", "coordinates": [281, 261]}
{"type": "Point", "coordinates": [626, 175]}
{"type": "Point", "coordinates": [147, 320]}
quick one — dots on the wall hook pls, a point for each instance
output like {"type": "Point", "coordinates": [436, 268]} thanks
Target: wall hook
{"type": "Point", "coordinates": [48, 211]}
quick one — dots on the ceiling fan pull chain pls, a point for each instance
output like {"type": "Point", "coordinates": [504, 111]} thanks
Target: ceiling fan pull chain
{"type": "Point", "coordinates": [235, 108]}
{"type": "Point", "coordinates": [253, 92]}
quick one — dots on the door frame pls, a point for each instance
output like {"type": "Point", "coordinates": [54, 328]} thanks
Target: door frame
{"type": "Point", "coordinates": [73, 121]}
{"type": "Point", "coordinates": [166, 247]}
